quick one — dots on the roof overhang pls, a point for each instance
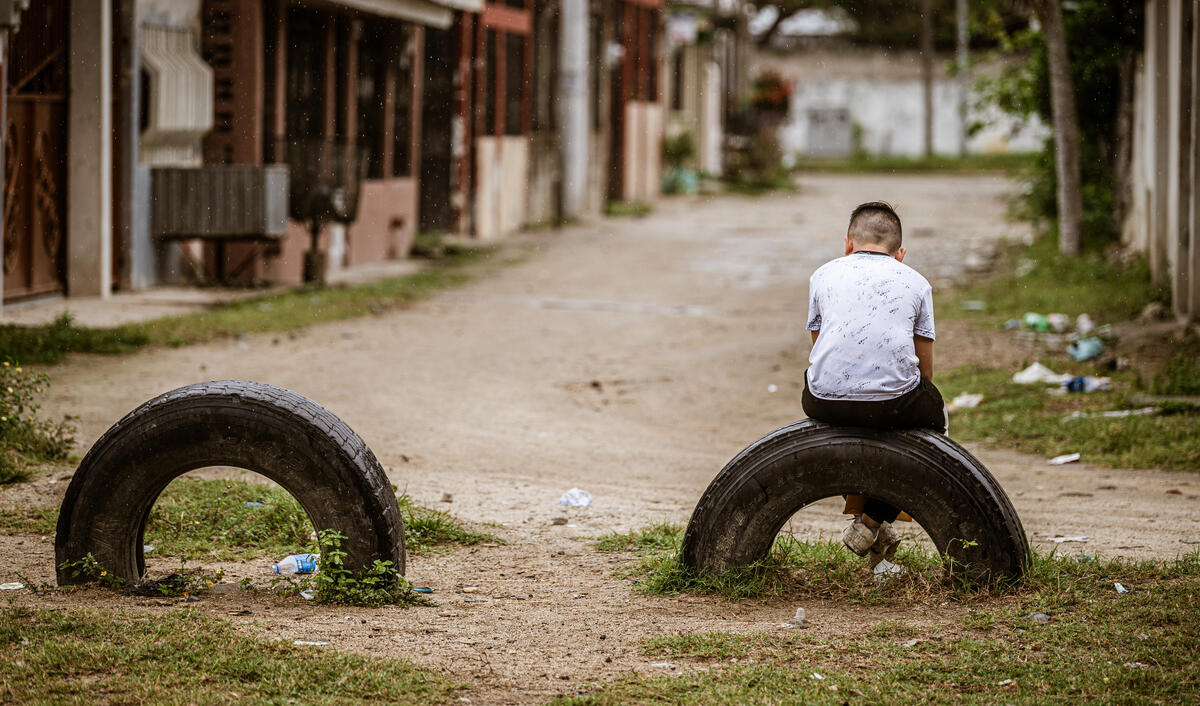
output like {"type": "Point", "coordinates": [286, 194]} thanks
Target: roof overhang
{"type": "Point", "coordinates": [420, 11]}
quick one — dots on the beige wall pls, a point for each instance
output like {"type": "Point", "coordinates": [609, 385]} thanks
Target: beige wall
{"type": "Point", "coordinates": [643, 151]}
{"type": "Point", "coordinates": [501, 184]}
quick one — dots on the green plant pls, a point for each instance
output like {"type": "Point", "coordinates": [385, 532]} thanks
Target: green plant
{"type": "Point", "coordinates": [376, 585]}
{"type": "Point", "coordinates": [88, 568]}
{"type": "Point", "coordinates": [24, 437]}
{"type": "Point", "coordinates": [1103, 37]}
{"type": "Point", "coordinates": [678, 150]}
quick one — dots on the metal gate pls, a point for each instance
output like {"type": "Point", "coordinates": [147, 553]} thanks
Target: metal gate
{"type": "Point", "coordinates": [35, 150]}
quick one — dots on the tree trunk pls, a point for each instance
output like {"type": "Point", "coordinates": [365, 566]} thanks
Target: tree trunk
{"type": "Point", "coordinates": [1066, 128]}
{"type": "Point", "coordinates": [927, 70]}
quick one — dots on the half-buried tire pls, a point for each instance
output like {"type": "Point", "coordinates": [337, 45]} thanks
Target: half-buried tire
{"type": "Point", "coordinates": [284, 436]}
{"type": "Point", "coordinates": [943, 487]}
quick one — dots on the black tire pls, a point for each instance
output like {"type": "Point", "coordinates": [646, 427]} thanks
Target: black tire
{"type": "Point", "coordinates": [251, 425]}
{"type": "Point", "coordinates": [942, 486]}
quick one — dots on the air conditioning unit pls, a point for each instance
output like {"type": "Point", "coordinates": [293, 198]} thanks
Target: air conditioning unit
{"type": "Point", "coordinates": [226, 202]}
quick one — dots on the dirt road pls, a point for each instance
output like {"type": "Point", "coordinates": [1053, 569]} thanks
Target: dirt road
{"type": "Point", "coordinates": [631, 358]}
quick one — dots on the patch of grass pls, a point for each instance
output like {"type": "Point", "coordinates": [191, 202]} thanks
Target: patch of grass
{"type": "Point", "coordinates": [29, 520]}
{"type": "Point", "coordinates": [1038, 278]}
{"type": "Point", "coordinates": [1099, 645]}
{"type": "Point", "coordinates": [628, 209]}
{"type": "Point", "coordinates": [1181, 374]}
{"type": "Point", "coordinates": [183, 656]}
{"type": "Point", "coordinates": [283, 311]}
{"type": "Point", "coordinates": [210, 520]}
{"type": "Point", "coordinates": [427, 530]}
{"type": "Point", "coordinates": [656, 537]}
{"type": "Point", "coordinates": [1010, 161]}
{"type": "Point", "coordinates": [1030, 419]}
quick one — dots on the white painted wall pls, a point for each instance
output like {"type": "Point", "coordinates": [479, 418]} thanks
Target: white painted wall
{"type": "Point", "coordinates": [890, 113]}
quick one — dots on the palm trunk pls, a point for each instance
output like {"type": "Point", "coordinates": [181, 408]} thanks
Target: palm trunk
{"type": "Point", "coordinates": [1066, 129]}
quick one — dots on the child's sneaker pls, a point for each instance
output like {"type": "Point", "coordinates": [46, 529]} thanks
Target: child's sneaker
{"type": "Point", "coordinates": [859, 538]}
{"type": "Point", "coordinates": [884, 548]}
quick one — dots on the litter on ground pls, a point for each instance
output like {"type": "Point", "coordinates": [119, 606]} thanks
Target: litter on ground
{"type": "Point", "coordinates": [576, 498]}
{"type": "Point", "coordinates": [965, 400]}
{"type": "Point", "coordinates": [1039, 373]}
{"type": "Point", "coordinates": [1065, 458]}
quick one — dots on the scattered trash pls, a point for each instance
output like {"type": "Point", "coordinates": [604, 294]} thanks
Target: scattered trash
{"type": "Point", "coordinates": [1006, 682]}
{"type": "Point", "coordinates": [314, 643]}
{"type": "Point", "coordinates": [1120, 588]}
{"type": "Point", "coordinates": [1154, 311]}
{"type": "Point", "coordinates": [965, 400]}
{"type": "Point", "coordinates": [817, 676]}
{"type": "Point", "coordinates": [1174, 491]}
{"type": "Point", "coordinates": [798, 620]}
{"type": "Point", "coordinates": [886, 569]}
{"type": "Point", "coordinates": [1039, 373]}
{"type": "Point", "coordinates": [11, 586]}
{"type": "Point", "coordinates": [1065, 458]}
{"type": "Point", "coordinates": [1058, 322]}
{"type": "Point", "coordinates": [1087, 383]}
{"type": "Point", "coordinates": [772, 388]}
{"type": "Point", "coordinates": [558, 521]}
{"type": "Point", "coordinates": [1035, 321]}
{"type": "Point", "coordinates": [1113, 413]}
{"type": "Point", "coordinates": [1134, 665]}
{"type": "Point", "coordinates": [662, 665]}
{"type": "Point", "coordinates": [447, 498]}
{"type": "Point", "coordinates": [1038, 617]}
{"type": "Point", "coordinates": [1085, 348]}
{"type": "Point", "coordinates": [1084, 324]}
{"type": "Point", "coordinates": [422, 589]}
{"type": "Point", "coordinates": [576, 498]}
{"type": "Point", "coordinates": [1012, 324]}
{"type": "Point", "coordinates": [470, 589]}
{"type": "Point", "coordinates": [974, 305]}
{"type": "Point", "coordinates": [253, 504]}
{"type": "Point", "coordinates": [297, 564]}
{"type": "Point", "coordinates": [147, 548]}
{"type": "Point", "coordinates": [308, 594]}
{"type": "Point", "coordinates": [1082, 539]}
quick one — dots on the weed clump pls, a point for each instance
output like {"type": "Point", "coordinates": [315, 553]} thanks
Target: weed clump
{"type": "Point", "coordinates": [376, 585]}
{"type": "Point", "coordinates": [25, 438]}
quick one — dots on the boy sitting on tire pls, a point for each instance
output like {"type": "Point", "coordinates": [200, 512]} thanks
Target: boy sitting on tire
{"type": "Point", "coordinates": [871, 365]}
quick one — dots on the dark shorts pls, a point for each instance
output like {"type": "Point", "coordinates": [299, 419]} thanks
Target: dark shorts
{"type": "Point", "coordinates": [919, 408]}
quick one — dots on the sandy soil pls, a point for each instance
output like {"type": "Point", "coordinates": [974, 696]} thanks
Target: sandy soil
{"type": "Point", "coordinates": [631, 358]}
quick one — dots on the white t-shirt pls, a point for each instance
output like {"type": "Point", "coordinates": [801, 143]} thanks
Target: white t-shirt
{"type": "Point", "coordinates": [867, 307]}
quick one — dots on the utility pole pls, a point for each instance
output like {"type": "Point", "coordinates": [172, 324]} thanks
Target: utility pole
{"type": "Point", "coordinates": [573, 102]}
{"type": "Point", "coordinates": [963, 75]}
{"type": "Point", "coordinates": [927, 70]}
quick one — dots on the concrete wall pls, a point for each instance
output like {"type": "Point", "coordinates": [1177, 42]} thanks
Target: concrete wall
{"type": "Point", "coordinates": [884, 93]}
{"type": "Point", "coordinates": [1164, 216]}
{"type": "Point", "coordinates": [642, 178]}
{"type": "Point", "coordinates": [501, 184]}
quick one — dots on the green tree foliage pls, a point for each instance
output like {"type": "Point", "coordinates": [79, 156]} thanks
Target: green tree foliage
{"type": "Point", "coordinates": [1101, 36]}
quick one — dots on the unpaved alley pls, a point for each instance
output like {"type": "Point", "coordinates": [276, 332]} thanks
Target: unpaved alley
{"type": "Point", "coordinates": [631, 358]}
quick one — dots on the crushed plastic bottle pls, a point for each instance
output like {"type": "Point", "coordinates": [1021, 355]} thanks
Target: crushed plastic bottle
{"type": "Point", "coordinates": [297, 564]}
{"type": "Point", "coordinates": [1036, 321]}
{"type": "Point", "coordinates": [575, 497]}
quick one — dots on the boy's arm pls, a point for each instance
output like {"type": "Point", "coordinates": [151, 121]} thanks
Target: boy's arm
{"type": "Point", "coordinates": [924, 348]}
{"type": "Point", "coordinates": [815, 334]}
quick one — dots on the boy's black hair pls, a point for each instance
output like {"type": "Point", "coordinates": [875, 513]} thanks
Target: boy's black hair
{"type": "Point", "coordinates": [876, 222]}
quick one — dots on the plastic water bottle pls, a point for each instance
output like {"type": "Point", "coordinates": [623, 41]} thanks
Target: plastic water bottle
{"type": "Point", "coordinates": [297, 564]}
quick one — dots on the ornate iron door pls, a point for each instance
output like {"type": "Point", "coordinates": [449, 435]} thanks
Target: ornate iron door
{"type": "Point", "coordinates": [35, 146]}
